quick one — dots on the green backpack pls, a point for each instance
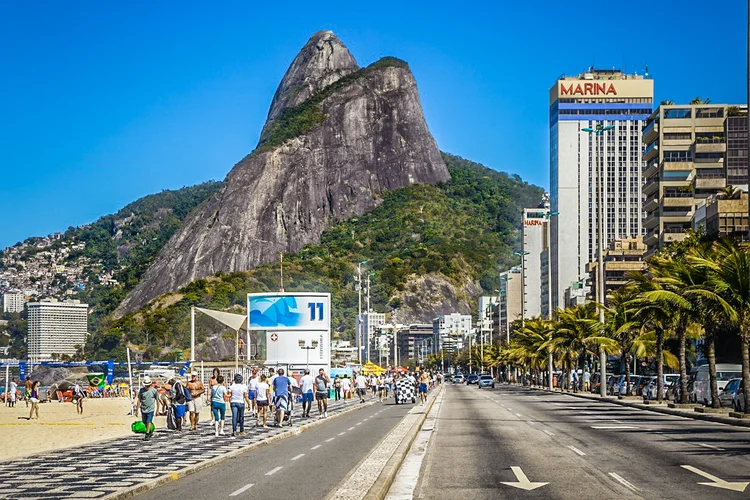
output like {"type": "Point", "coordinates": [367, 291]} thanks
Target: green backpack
{"type": "Point", "coordinates": [140, 428]}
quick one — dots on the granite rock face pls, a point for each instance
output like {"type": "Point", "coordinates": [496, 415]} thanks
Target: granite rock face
{"type": "Point", "coordinates": [279, 199]}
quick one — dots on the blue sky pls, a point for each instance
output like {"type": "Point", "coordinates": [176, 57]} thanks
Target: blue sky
{"type": "Point", "coordinates": [105, 102]}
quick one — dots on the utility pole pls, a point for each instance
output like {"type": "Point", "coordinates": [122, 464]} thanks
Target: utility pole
{"type": "Point", "coordinates": [359, 311]}
{"type": "Point", "coordinates": [281, 270]}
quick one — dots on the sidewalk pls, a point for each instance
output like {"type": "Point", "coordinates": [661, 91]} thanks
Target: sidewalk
{"type": "Point", "coordinates": [655, 407]}
{"type": "Point", "coordinates": [120, 467]}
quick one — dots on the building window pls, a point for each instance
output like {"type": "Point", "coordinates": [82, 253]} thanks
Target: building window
{"type": "Point", "coordinates": [709, 113]}
{"type": "Point", "coordinates": [675, 113]}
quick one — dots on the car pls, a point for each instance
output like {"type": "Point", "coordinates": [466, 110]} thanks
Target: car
{"type": "Point", "coordinates": [458, 378]}
{"type": "Point", "coordinates": [738, 402]}
{"type": "Point", "coordinates": [725, 372]}
{"type": "Point", "coordinates": [472, 379]}
{"type": "Point", "coordinates": [726, 397]}
{"type": "Point", "coordinates": [486, 381]}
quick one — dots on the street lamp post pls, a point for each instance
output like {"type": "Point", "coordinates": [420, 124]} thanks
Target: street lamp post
{"type": "Point", "coordinates": [523, 255]}
{"type": "Point", "coordinates": [359, 311]}
{"type": "Point", "coordinates": [598, 133]}
{"type": "Point", "coordinates": [550, 360]}
{"type": "Point", "coordinates": [303, 345]}
{"type": "Point", "coordinates": [369, 275]}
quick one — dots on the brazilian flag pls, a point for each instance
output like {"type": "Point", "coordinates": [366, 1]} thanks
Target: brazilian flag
{"type": "Point", "coordinates": [97, 380]}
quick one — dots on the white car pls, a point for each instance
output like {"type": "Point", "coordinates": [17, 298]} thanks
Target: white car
{"type": "Point", "coordinates": [702, 387]}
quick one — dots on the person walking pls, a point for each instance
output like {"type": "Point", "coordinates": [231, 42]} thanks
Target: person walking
{"type": "Point", "coordinates": [219, 405]}
{"type": "Point", "coordinates": [252, 391]}
{"type": "Point", "coordinates": [337, 387]}
{"type": "Point", "coordinates": [12, 388]}
{"type": "Point", "coordinates": [195, 405]}
{"type": "Point", "coordinates": [281, 387]}
{"type": "Point", "coordinates": [147, 397]}
{"type": "Point", "coordinates": [211, 383]}
{"type": "Point", "coordinates": [179, 402]}
{"type": "Point", "coordinates": [238, 398]}
{"type": "Point", "coordinates": [321, 392]}
{"type": "Point", "coordinates": [27, 391]}
{"type": "Point", "coordinates": [34, 399]}
{"type": "Point", "coordinates": [78, 396]}
{"type": "Point", "coordinates": [307, 383]}
{"type": "Point", "coordinates": [361, 382]}
{"type": "Point", "coordinates": [346, 387]}
{"type": "Point", "coordinates": [261, 399]}
{"type": "Point", "coordinates": [424, 379]}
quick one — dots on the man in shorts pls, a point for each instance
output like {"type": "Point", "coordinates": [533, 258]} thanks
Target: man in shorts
{"type": "Point", "coordinates": [361, 382]}
{"type": "Point", "coordinates": [147, 397]}
{"type": "Point", "coordinates": [195, 405]}
{"type": "Point", "coordinates": [321, 392]}
{"type": "Point", "coordinates": [252, 392]}
{"type": "Point", "coordinates": [307, 383]}
{"type": "Point", "coordinates": [281, 388]}
{"type": "Point", "coordinates": [424, 379]}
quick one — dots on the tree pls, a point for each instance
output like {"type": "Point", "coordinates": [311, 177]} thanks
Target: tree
{"type": "Point", "coordinates": [729, 192]}
{"type": "Point", "coordinates": [698, 100]}
{"type": "Point", "coordinates": [729, 276]}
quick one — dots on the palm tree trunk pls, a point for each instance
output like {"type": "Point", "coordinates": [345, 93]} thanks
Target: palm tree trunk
{"type": "Point", "coordinates": [745, 346]}
{"type": "Point", "coordinates": [711, 355]}
{"type": "Point", "coordinates": [660, 365]}
{"type": "Point", "coordinates": [683, 364]}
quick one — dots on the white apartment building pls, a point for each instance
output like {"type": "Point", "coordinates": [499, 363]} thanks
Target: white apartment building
{"type": "Point", "coordinates": [595, 98]}
{"type": "Point", "coordinates": [510, 300]}
{"type": "Point", "coordinates": [13, 302]}
{"type": "Point", "coordinates": [533, 241]}
{"type": "Point", "coordinates": [56, 328]}
{"type": "Point", "coordinates": [450, 330]}
{"type": "Point", "coordinates": [369, 321]}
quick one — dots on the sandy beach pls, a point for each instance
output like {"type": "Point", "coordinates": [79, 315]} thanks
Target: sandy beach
{"type": "Point", "coordinates": [59, 426]}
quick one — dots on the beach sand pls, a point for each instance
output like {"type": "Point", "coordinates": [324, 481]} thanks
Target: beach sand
{"type": "Point", "coordinates": [59, 426]}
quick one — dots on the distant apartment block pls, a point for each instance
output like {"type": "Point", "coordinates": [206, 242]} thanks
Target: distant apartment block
{"type": "Point", "coordinates": [723, 218]}
{"type": "Point", "coordinates": [692, 152]}
{"type": "Point", "coordinates": [13, 302]}
{"type": "Point", "coordinates": [56, 328]}
{"type": "Point", "coordinates": [621, 258]}
{"type": "Point", "coordinates": [451, 330]}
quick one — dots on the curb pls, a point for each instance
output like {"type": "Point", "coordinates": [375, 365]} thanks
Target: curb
{"type": "Point", "coordinates": [379, 489]}
{"type": "Point", "coordinates": [708, 417]}
{"type": "Point", "coordinates": [192, 469]}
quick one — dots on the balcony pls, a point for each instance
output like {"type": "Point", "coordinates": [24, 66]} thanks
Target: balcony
{"type": "Point", "coordinates": [709, 181]}
{"type": "Point", "coordinates": [651, 220]}
{"type": "Point", "coordinates": [678, 199]}
{"type": "Point", "coordinates": [651, 238]}
{"type": "Point", "coordinates": [651, 185]}
{"type": "Point", "coordinates": [651, 204]}
{"type": "Point", "coordinates": [710, 146]}
{"type": "Point", "coordinates": [672, 237]}
{"type": "Point", "coordinates": [652, 151]}
{"type": "Point", "coordinates": [651, 132]}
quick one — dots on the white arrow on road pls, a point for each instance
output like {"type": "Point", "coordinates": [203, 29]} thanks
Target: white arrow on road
{"type": "Point", "coordinates": [523, 481]}
{"type": "Point", "coordinates": [718, 483]}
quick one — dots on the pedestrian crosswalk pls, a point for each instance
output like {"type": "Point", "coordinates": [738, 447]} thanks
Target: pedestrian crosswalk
{"type": "Point", "coordinates": [105, 467]}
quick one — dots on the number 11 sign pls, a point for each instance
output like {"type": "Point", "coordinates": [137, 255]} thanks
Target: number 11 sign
{"type": "Point", "coordinates": [289, 311]}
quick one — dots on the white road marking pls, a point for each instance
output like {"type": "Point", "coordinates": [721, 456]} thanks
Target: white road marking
{"type": "Point", "coordinates": [717, 482]}
{"type": "Point", "coordinates": [577, 451]}
{"type": "Point", "coordinates": [706, 445]}
{"type": "Point", "coordinates": [350, 429]}
{"type": "Point", "coordinates": [316, 446]}
{"type": "Point", "coordinates": [623, 481]}
{"type": "Point", "coordinates": [548, 432]}
{"type": "Point", "coordinates": [530, 422]}
{"type": "Point", "coordinates": [522, 481]}
{"type": "Point", "coordinates": [342, 433]}
{"type": "Point", "coordinates": [298, 456]}
{"type": "Point", "coordinates": [273, 471]}
{"type": "Point", "coordinates": [329, 440]}
{"type": "Point", "coordinates": [613, 427]}
{"type": "Point", "coordinates": [242, 490]}
{"type": "Point", "coordinates": [519, 415]}
{"type": "Point", "coordinates": [358, 423]}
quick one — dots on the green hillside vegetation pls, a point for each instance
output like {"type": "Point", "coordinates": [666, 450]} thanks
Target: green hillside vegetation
{"type": "Point", "coordinates": [302, 118]}
{"type": "Point", "coordinates": [155, 218]}
{"type": "Point", "coordinates": [466, 227]}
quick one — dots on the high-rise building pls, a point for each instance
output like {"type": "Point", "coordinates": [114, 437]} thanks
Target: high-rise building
{"type": "Point", "coordinates": [369, 323]}
{"type": "Point", "coordinates": [13, 302]}
{"type": "Point", "coordinates": [597, 97]}
{"type": "Point", "coordinates": [56, 328]}
{"type": "Point", "coordinates": [510, 300]}
{"type": "Point", "coordinates": [451, 330]}
{"type": "Point", "coordinates": [623, 257]}
{"type": "Point", "coordinates": [691, 152]}
{"type": "Point", "coordinates": [411, 342]}
{"type": "Point", "coordinates": [533, 242]}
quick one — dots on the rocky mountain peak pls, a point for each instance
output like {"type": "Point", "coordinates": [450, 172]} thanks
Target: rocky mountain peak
{"type": "Point", "coordinates": [323, 60]}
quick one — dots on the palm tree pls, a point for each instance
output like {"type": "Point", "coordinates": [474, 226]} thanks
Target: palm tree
{"type": "Point", "coordinates": [729, 192]}
{"type": "Point", "coordinates": [620, 323]}
{"type": "Point", "coordinates": [729, 275]}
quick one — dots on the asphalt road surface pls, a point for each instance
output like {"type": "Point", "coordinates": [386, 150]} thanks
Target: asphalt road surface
{"type": "Point", "coordinates": [307, 466]}
{"type": "Point", "coordinates": [580, 449]}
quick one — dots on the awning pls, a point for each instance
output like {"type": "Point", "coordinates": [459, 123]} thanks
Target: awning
{"type": "Point", "coordinates": [232, 320]}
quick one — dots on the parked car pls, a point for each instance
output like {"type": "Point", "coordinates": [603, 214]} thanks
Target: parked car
{"type": "Point", "coordinates": [672, 392]}
{"type": "Point", "coordinates": [458, 378]}
{"type": "Point", "coordinates": [648, 387]}
{"type": "Point", "coordinates": [725, 372]}
{"type": "Point", "coordinates": [738, 402]}
{"type": "Point", "coordinates": [726, 396]}
{"type": "Point", "coordinates": [472, 379]}
{"type": "Point", "coordinates": [486, 381]}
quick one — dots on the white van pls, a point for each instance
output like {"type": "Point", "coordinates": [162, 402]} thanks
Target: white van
{"type": "Point", "coordinates": [702, 387]}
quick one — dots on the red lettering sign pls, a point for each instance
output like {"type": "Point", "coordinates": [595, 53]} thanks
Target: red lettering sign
{"type": "Point", "coordinates": [588, 89]}
{"type": "Point", "coordinates": [533, 222]}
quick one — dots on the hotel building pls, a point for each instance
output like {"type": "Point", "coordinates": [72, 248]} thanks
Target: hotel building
{"type": "Point", "coordinates": [597, 97]}
{"type": "Point", "coordinates": [56, 328]}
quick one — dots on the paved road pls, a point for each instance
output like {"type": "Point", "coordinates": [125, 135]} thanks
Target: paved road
{"type": "Point", "coordinates": [307, 466]}
{"type": "Point", "coordinates": [583, 449]}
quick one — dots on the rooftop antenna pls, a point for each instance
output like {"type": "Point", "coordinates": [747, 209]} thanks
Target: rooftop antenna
{"type": "Point", "coordinates": [646, 70]}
